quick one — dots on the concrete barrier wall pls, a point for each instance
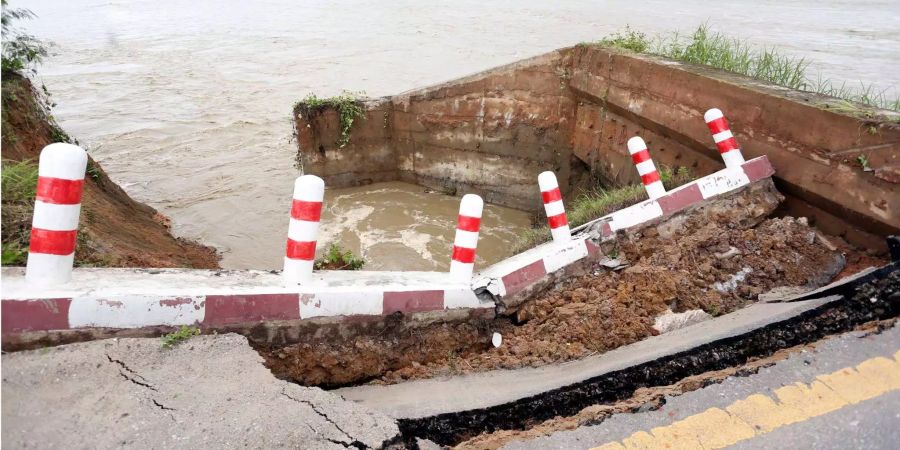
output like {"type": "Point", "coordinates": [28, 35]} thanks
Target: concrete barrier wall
{"type": "Point", "coordinates": [574, 109]}
{"type": "Point", "coordinates": [812, 145]}
{"type": "Point", "coordinates": [490, 134]}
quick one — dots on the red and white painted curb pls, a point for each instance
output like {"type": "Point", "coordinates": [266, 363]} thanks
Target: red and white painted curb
{"type": "Point", "coordinates": [462, 260]}
{"type": "Point", "coordinates": [136, 298]}
{"type": "Point", "coordinates": [57, 206]}
{"type": "Point", "coordinates": [553, 206]}
{"type": "Point", "coordinates": [515, 274]}
{"type": "Point", "coordinates": [303, 230]}
{"type": "Point", "coordinates": [723, 138]}
{"type": "Point", "coordinates": [640, 156]}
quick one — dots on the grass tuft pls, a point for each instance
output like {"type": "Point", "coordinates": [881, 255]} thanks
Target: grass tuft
{"type": "Point", "coordinates": [627, 39]}
{"type": "Point", "coordinates": [177, 337]}
{"type": "Point", "coordinates": [19, 182]}
{"type": "Point", "coordinates": [599, 202]}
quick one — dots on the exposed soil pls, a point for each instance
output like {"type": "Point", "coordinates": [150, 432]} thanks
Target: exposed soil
{"type": "Point", "coordinates": [584, 315]}
{"type": "Point", "coordinates": [114, 230]}
{"type": "Point", "coordinates": [645, 398]}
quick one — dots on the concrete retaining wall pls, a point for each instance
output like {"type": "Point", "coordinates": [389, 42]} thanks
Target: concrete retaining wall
{"type": "Point", "coordinates": [572, 110]}
{"type": "Point", "coordinates": [147, 299]}
{"type": "Point", "coordinates": [490, 134]}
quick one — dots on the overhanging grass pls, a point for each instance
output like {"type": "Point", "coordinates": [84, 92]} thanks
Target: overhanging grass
{"type": "Point", "coordinates": [599, 202]}
{"type": "Point", "coordinates": [714, 49]}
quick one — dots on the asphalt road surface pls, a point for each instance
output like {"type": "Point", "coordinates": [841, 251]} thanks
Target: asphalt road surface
{"type": "Point", "coordinates": [843, 394]}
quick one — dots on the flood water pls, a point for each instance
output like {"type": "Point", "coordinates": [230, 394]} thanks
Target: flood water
{"type": "Point", "coordinates": [187, 104]}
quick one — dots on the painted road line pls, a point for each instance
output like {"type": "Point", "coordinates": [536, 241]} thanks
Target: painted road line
{"type": "Point", "coordinates": [759, 414]}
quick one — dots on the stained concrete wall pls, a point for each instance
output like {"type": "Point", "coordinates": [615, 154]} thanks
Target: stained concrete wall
{"type": "Point", "coordinates": [573, 109]}
{"type": "Point", "coordinates": [491, 134]}
{"type": "Point", "coordinates": [813, 147]}
{"type": "Point", "coordinates": [369, 157]}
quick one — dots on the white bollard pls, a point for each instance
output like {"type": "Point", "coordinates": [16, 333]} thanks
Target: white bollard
{"type": "Point", "coordinates": [462, 262]}
{"type": "Point", "coordinates": [640, 156]}
{"type": "Point", "coordinates": [723, 138]}
{"type": "Point", "coordinates": [303, 231]}
{"type": "Point", "coordinates": [553, 206]}
{"type": "Point", "coordinates": [54, 226]}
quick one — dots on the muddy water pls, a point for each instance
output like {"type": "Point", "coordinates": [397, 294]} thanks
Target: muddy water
{"type": "Point", "coordinates": [187, 104]}
{"type": "Point", "coordinates": [401, 226]}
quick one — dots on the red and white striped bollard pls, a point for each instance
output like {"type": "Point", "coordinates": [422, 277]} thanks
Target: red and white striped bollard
{"type": "Point", "coordinates": [465, 242]}
{"type": "Point", "coordinates": [303, 231]}
{"type": "Point", "coordinates": [640, 156]}
{"type": "Point", "coordinates": [57, 206]}
{"type": "Point", "coordinates": [723, 138]}
{"type": "Point", "coordinates": [553, 206]}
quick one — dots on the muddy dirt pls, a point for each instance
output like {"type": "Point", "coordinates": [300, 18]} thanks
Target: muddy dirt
{"type": "Point", "coordinates": [714, 268]}
{"type": "Point", "coordinates": [114, 230]}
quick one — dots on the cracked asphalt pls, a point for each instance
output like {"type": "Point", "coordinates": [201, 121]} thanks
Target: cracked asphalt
{"type": "Point", "coordinates": [209, 392]}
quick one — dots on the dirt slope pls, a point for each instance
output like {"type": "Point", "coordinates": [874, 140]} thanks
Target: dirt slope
{"type": "Point", "coordinates": [115, 231]}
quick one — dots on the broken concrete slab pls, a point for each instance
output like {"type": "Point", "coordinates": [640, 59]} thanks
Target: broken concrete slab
{"type": "Point", "coordinates": [424, 398]}
{"type": "Point", "coordinates": [209, 392]}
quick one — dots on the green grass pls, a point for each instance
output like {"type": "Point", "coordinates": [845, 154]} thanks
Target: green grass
{"type": "Point", "coordinates": [336, 258]}
{"type": "Point", "coordinates": [177, 337]}
{"type": "Point", "coordinates": [599, 202]}
{"type": "Point", "coordinates": [714, 49]}
{"type": "Point", "coordinates": [627, 39]}
{"type": "Point", "coordinates": [347, 105]}
{"type": "Point", "coordinates": [19, 181]}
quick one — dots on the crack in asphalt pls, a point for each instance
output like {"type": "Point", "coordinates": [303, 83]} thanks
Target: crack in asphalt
{"type": "Point", "coordinates": [134, 375]}
{"type": "Point", "coordinates": [353, 442]}
{"type": "Point", "coordinates": [131, 375]}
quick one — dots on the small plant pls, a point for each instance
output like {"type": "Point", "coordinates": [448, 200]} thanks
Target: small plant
{"type": "Point", "coordinates": [335, 258]}
{"type": "Point", "coordinates": [627, 39]}
{"type": "Point", "coordinates": [177, 337]}
{"type": "Point", "coordinates": [347, 106]}
{"type": "Point", "coordinates": [863, 161]}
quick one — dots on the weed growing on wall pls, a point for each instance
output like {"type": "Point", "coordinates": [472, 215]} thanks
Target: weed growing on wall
{"type": "Point", "coordinates": [177, 337]}
{"type": "Point", "coordinates": [336, 258]}
{"type": "Point", "coordinates": [709, 48]}
{"type": "Point", "coordinates": [601, 201]}
{"type": "Point", "coordinates": [347, 105]}
{"type": "Point", "coordinates": [627, 39]}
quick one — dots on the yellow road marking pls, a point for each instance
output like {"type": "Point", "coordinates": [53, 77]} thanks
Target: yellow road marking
{"type": "Point", "coordinates": [759, 414]}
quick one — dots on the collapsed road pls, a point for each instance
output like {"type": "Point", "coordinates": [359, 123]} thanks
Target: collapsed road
{"type": "Point", "coordinates": [213, 391]}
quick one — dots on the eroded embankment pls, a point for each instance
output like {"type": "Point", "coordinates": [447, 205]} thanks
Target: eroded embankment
{"type": "Point", "coordinates": [114, 230]}
{"type": "Point", "coordinates": [714, 266]}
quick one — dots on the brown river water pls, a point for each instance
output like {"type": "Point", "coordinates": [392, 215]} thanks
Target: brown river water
{"type": "Point", "coordinates": [187, 104]}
